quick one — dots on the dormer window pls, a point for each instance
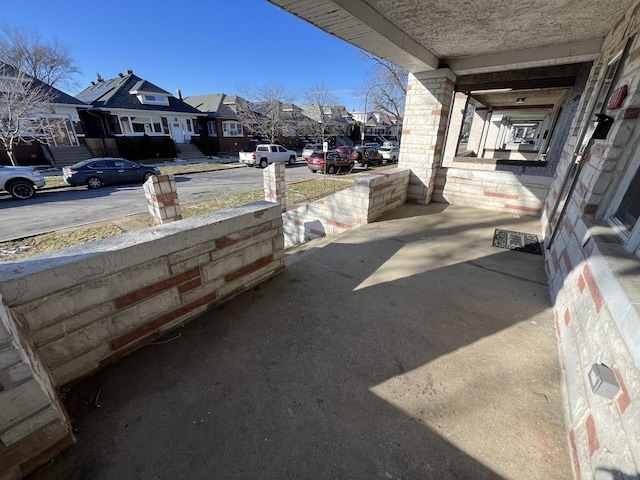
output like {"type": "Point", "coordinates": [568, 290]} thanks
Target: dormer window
{"type": "Point", "coordinates": [152, 98]}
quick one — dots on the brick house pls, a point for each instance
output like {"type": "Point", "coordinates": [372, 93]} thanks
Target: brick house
{"type": "Point", "coordinates": [534, 112]}
{"type": "Point", "coordinates": [220, 122]}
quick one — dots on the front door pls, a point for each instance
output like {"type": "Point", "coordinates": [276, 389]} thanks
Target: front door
{"type": "Point", "coordinates": [177, 132]}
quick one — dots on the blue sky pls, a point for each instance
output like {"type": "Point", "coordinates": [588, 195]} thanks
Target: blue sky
{"type": "Point", "coordinates": [207, 46]}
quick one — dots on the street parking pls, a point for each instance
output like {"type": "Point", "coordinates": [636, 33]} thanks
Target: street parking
{"type": "Point", "coordinates": [66, 207]}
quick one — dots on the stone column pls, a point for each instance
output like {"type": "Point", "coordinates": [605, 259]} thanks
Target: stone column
{"type": "Point", "coordinates": [455, 128]}
{"type": "Point", "coordinates": [162, 199]}
{"type": "Point", "coordinates": [478, 129]}
{"type": "Point", "coordinates": [275, 186]}
{"type": "Point", "coordinates": [429, 97]}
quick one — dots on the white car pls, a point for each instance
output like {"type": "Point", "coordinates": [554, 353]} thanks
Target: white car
{"type": "Point", "coordinates": [21, 182]}
{"type": "Point", "coordinates": [390, 154]}
{"type": "Point", "coordinates": [309, 148]}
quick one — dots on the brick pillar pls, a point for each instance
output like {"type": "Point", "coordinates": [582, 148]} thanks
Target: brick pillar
{"type": "Point", "coordinates": [426, 112]}
{"type": "Point", "coordinates": [162, 199]}
{"type": "Point", "coordinates": [275, 186]}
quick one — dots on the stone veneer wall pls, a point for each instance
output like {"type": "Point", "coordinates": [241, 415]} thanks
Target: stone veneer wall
{"type": "Point", "coordinates": [595, 282]}
{"type": "Point", "coordinates": [522, 194]}
{"type": "Point", "coordinates": [426, 113]}
{"type": "Point", "coordinates": [68, 313]}
{"type": "Point", "coordinates": [370, 197]}
{"type": "Point", "coordinates": [33, 426]}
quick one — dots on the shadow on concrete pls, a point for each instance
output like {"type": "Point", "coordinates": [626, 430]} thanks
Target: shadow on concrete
{"type": "Point", "coordinates": [404, 349]}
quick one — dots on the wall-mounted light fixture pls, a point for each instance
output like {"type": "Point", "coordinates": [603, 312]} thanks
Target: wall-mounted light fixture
{"type": "Point", "coordinates": [520, 100]}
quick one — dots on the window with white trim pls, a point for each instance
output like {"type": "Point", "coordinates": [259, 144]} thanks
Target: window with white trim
{"type": "Point", "coordinates": [212, 128]}
{"type": "Point", "coordinates": [232, 129]}
{"type": "Point", "coordinates": [141, 125]}
{"type": "Point", "coordinates": [156, 99]}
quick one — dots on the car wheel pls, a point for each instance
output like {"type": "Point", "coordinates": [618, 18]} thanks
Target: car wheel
{"type": "Point", "coordinates": [263, 163]}
{"type": "Point", "coordinates": [332, 169]}
{"type": "Point", "coordinates": [94, 182]}
{"type": "Point", "coordinates": [147, 176]}
{"type": "Point", "coordinates": [21, 190]}
{"type": "Point", "coordinates": [394, 160]}
{"type": "Point", "coordinates": [292, 160]}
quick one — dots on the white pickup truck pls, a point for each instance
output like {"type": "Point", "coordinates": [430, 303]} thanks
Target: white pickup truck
{"type": "Point", "coordinates": [268, 153]}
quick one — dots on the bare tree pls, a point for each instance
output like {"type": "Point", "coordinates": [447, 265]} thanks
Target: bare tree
{"type": "Point", "coordinates": [386, 86]}
{"type": "Point", "coordinates": [25, 110]}
{"type": "Point", "coordinates": [49, 62]}
{"type": "Point", "coordinates": [268, 111]}
{"type": "Point", "coordinates": [318, 123]}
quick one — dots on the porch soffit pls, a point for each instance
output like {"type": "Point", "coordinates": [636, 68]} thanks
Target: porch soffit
{"type": "Point", "coordinates": [468, 37]}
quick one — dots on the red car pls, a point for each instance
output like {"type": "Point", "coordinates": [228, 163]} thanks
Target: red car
{"type": "Point", "coordinates": [349, 152]}
{"type": "Point", "coordinates": [336, 161]}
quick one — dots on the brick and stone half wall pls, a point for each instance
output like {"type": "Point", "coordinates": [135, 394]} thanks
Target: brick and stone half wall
{"type": "Point", "coordinates": [369, 198]}
{"type": "Point", "coordinates": [33, 426]}
{"type": "Point", "coordinates": [89, 305]}
{"type": "Point", "coordinates": [597, 321]}
{"type": "Point", "coordinates": [490, 190]}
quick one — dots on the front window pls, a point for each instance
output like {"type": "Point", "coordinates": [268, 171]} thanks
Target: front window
{"type": "Point", "coordinates": [189, 125]}
{"type": "Point", "coordinates": [232, 129]}
{"type": "Point", "coordinates": [212, 129]}
{"type": "Point", "coordinates": [141, 124]}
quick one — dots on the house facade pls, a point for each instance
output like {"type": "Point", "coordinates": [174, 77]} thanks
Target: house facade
{"type": "Point", "coordinates": [220, 124]}
{"type": "Point", "coordinates": [534, 112]}
{"type": "Point", "coordinates": [129, 106]}
{"type": "Point", "coordinates": [60, 115]}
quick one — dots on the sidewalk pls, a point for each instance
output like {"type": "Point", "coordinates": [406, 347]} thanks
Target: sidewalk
{"type": "Point", "coordinates": [407, 349]}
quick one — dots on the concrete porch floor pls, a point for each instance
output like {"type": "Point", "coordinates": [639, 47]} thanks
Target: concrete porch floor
{"type": "Point", "coordinates": [407, 349]}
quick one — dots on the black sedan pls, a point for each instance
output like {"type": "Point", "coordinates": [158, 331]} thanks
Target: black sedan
{"type": "Point", "coordinates": [96, 172]}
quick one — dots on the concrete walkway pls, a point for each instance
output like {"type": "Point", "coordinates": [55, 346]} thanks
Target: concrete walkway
{"type": "Point", "coordinates": [407, 349]}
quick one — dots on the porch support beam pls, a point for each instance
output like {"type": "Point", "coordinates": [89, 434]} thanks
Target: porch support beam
{"type": "Point", "coordinates": [517, 59]}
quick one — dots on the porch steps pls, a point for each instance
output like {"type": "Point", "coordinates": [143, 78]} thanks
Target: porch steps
{"type": "Point", "coordinates": [188, 151]}
{"type": "Point", "coordinates": [68, 155]}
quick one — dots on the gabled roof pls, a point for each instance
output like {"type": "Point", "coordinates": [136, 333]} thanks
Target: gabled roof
{"type": "Point", "coordinates": [216, 105]}
{"type": "Point", "coordinates": [57, 96]}
{"type": "Point", "coordinates": [120, 93]}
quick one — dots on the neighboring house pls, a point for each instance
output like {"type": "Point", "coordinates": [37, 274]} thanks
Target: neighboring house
{"type": "Point", "coordinates": [129, 106]}
{"type": "Point", "coordinates": [378, 126]}
{"type": "Point", "coordinates": [338, 123]}
{"type": "Point", "coordinates": [220, 121]}
{"type": "Point", "coordinates": [61, 116]}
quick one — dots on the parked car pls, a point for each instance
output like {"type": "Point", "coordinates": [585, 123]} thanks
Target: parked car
{"type": "Point", "coordinates": [372, 144]}
{"type": "Point", "coordinates": [336, 161]}
{"type": "Point", "coordinates": [96, 172]}
{"type": "Point", "coordinates": [309, 148]}
{"type": "Point", "coordinates": [390, 151]}
{"type": "Point", "coordinates": [368, 156]}
{"type": "Point", "coordinates": [21, 182]}
{"type": "Point", "coordinates": [350, 152]}
{"type": "Point", "coordinates": [268, 153]}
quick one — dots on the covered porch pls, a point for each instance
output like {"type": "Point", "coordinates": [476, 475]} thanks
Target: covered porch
{"type": "Point", "coordinates": [407, 348]}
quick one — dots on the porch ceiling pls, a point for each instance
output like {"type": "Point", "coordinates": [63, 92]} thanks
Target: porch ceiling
{"type": "Point", "coordinates": [468, 37]}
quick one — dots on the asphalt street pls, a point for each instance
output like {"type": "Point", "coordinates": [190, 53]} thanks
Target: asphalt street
{"type": "Point", "coordinates": [55, 209]}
